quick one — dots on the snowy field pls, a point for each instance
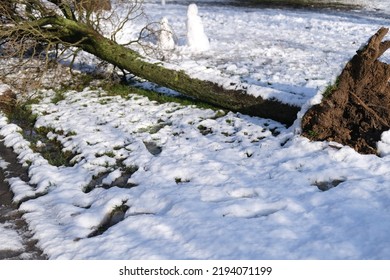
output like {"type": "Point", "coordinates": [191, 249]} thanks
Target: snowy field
{"type": "Point", "coordinates": [285, 54]}
{"type": "Point", "coordinates": [165, 181]}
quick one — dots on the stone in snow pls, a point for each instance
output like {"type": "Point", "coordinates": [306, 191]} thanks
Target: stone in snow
{"type": "Point", "coordinates": [165, 39]}
{"type": "Point", "coordinates": [196, 37]}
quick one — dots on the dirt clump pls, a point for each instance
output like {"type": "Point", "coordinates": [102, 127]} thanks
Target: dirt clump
{"type": "Point", "coordinates": [356, 109]}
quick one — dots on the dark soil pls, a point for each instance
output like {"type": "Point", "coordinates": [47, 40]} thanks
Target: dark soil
{"type": "Point", "coordinates": [10, 214]}
{"type": "Point", "coordinates": [356, 110]}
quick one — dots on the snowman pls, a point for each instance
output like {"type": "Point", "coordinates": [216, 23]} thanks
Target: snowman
{"type": "Point", "coordinates": [196, 38]}
{"type": "Point", "coordinates": [165, 38]}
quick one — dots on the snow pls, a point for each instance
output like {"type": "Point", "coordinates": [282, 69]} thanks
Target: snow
{"type": "Point", "coordinates": [166, 41]}
{"type": "Point", "coordinates": [3, 89]}
{"type": "Point", "coordinates": [243, 191]}
{"type": "Point", "coordinates": [196, 37]}
{"type": "Point", "coordinates": [9, 238]}
{"type": "Point", "coordinates": [288, 55]}
{"type": "Point", "coordinates": [207, 185]}
{"type": "Point", "coordinates": [3, 164]}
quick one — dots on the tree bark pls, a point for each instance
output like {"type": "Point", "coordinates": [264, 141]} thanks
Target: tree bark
{"type": "Point", "coordinates": [357, 110]}
{"type": "Point", "coordinates": [178, 80]}
{"type": "Point", "coordinates": [209, 92]}
{"type": "Point", "coordinates": [69, 27]}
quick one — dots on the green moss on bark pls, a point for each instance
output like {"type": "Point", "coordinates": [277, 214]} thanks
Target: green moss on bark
{"type": "Point", "coordinates": [235, 100]}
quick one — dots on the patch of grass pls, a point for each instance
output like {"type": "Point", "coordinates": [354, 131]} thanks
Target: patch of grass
{"type": "Point", "coordinates": [312, 134]}
{"type": "Point", "coordinates": [59, 96]}
{"type": "Point", "coordinates": [331, 88]}
{"type": "Point", "coordinates": [22, 114]}
{"type": "Point", "coordinates": [85, 80]}
{"type": "Point", "coordinates": [125, 91]}
{"type": "Point", "coordinates": [50, 149]}
{"type": "Point", "coordinates": [110, 154]}
{"type": "Point", "coordinates": [43, 130]}
{"type": "Point", "coordinates": [117, 89]}
{"type": "Point", "coordinates": [78, 82]}
{"type": "Point", "coordinates": [227, 134]}
{"type": "Point", "coordinates": [152, 129]}
{"type": "Point", "coordinates": [71, 133]}
{"type": "Point", "coordinates": [55, 158]}
{"type": "Point", "coordinates": [205, 130]}
{"type": "Point", "coordinates": [130, 169]}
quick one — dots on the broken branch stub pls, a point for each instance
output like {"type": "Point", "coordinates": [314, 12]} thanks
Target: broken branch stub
{"type": "Point", "coordinates": [357, 110]}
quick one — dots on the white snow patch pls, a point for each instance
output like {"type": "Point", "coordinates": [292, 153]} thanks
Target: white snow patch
{"type": "Point", "coordinates": [166, 39]}
{"type": "Point", "coordinates": [4, 88]}
{"type": "Point", "coordinates": [3, 164]}
{"type": "Point", "coordinates": [10, 239]}
{"type": "Point", "coordinates": [20, 189]}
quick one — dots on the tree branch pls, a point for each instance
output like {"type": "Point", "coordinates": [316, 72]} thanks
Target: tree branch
{"type": "Point", "coordinates": [384, 46]}
{"type": "Point", "coordinates": [76, 26]}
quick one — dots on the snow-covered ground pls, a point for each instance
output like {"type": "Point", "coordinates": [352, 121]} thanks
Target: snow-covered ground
{"type": "Point", "coordinates": [286, 54]}
{"type": "Point", "coordinates": [9, 239]}
{"type": "Point", "coordinates": [206, 185]}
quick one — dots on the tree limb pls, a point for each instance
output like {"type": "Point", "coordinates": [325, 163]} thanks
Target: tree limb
{"type": "Point", "coordinates": [384, 46]}
{"type": "Point", "coordinates": [67, 30]}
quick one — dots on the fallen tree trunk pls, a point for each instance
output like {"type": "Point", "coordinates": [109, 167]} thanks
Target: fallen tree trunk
{"type": "Point", "coordinates": [356, 110]}
{"type": "Point", "coordinates": [67, 26]}
{"type": "Point", "coordinates": [206, 91]}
